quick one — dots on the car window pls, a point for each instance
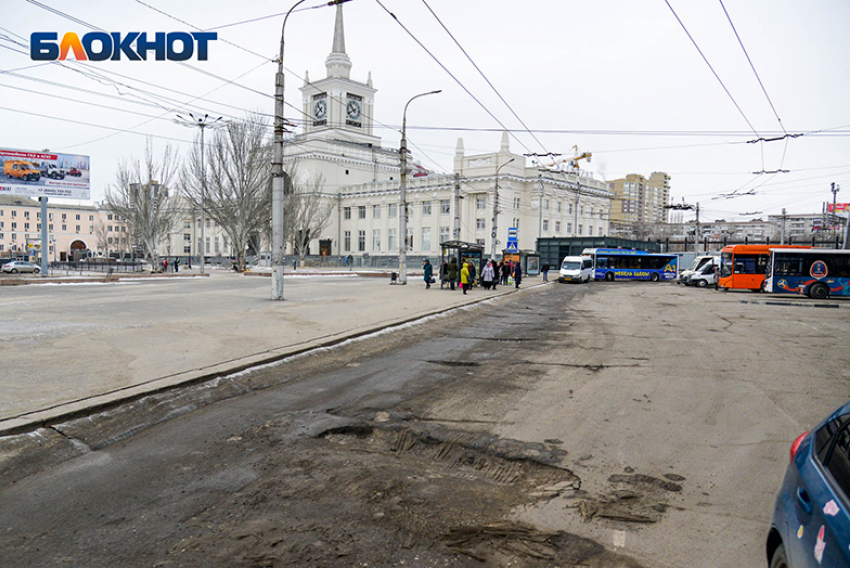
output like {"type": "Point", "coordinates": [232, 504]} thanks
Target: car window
{"type": "Point", "coordinates": [824, 436]}
{"type": "Point", "coordinates": [838, 463]}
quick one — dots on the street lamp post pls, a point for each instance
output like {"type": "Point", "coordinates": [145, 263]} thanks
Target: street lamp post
{"type": "Point", "coordinates": [201, 123]}
{"type": "Point", "coordinates": [402, 194]}
{"type": "Point", "coordinates": [496, 208]}
{"type": "Point", "coordinates": [278, 177]}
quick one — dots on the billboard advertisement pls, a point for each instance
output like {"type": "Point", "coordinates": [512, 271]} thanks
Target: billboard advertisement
{"type": "Point", "coordinates": [840, 209]}
{"type": "Point", "coordinates": [37, 174]}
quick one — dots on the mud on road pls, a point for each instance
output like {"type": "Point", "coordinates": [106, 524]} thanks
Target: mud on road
{"type": "Point", "coordinates": [376, 479]}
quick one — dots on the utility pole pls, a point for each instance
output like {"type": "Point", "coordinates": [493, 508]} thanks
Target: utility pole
{"type": "Point", "coordinates": [833, 219]}
{"type": "Point", "coordinates": [202, 124]}
{"type": "Point", "coordinates": [540, 206]}
{"type": "Point", "coordinates": [402, 193]}
{"type": "Point", "coordinates": [784, 217]}
{"type": "Point", "coordinates": [495, 223]}
{"type": "Point", "coordinates": [456, 225]}
{"type": "Point", "coordinates": [698, 233]}
{"type": "Point", "coordinates": [278, 176]}
{"type": "Point", "coordinates": [688, 207]}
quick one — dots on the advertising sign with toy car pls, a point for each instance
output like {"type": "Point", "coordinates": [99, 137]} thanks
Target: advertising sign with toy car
{"type": "Point", "coordinates": [37, 174]}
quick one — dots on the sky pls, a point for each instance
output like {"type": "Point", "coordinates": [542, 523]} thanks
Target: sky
{"type": "Point", "coordinates": [643, 85]}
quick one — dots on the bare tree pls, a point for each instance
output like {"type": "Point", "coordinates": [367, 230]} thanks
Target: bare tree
{"type": "Point", "coordinates": [102, 236]}
{"type": "Point", "coordinates": [140, 195]}
{"type": "Point", "coordinates": [237, 193]}
{"type": "Point", "coordinates": [309, 212]}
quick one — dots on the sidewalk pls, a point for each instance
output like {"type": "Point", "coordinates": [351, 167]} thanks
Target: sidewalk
{"type": "Point", "coordinates": [66, 348]}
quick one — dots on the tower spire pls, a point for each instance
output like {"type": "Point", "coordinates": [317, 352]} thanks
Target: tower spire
{"type": "Point", "coordinates": [338, 64]}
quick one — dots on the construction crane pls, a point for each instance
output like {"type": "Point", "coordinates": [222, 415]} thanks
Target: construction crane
{"type": "Point", "coordinates": [578, 156]}
{"type": "Point", "coordinates": [572, 163]}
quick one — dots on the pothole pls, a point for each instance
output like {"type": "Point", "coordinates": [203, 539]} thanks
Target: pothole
{"type": "Point", "coordinates": [456, 363]}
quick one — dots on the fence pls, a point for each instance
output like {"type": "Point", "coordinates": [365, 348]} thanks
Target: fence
{"type": "Point", "coordinates": [96, 265]}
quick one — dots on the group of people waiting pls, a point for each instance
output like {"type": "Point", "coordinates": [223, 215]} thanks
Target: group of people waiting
{"type": "Point", "coordinates": [493, 273]}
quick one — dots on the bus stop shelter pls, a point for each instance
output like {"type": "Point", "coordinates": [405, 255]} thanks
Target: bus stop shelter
{"type": "Point", "coordinates": [461, 251]}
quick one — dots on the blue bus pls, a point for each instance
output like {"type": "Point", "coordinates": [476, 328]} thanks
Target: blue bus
{"type": "Point", "coordinates": [630, 264]}
{"type": "Point", "coordinates": [818, 273]}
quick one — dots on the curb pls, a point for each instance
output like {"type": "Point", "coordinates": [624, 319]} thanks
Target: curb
{"type": "Point", "coordinates": [94, 279]}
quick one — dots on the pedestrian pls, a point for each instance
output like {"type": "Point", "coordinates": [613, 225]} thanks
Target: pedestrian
{"type": "Point", "coordinates": [496, 274]}
{"type": "Point", "coordinates": [487, 275]}
{"type": "Point", "coordinates": [545, 271]}
{"type": "Point", "coordinates": [471, 273]}
{"type": "Point", "coordinates": [464, 277]}
{"type": "Point", "coordinates": [176, 265]}
{"type": "Point", "coordinates": [716, 276]}
{"type": "Point", "coordinates": [453, 272]}
{"type": "Point", "coordinates": [506, 271]}
{"type": "Point", "coordinates": [517, 275]}
{"type": "Point", "coordinates": [165, 264]}
{"type": "Point", "coordinates": [349, 262]}
{"type": "Point", "coordinates": [429, 273]}
{"type": "Point", "coordinates": [444, 274]}
{"type": "Point", "coordinates": [190, 263]}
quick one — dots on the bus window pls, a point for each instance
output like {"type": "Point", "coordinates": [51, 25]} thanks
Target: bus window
{"type": "Point", "coordinates": [726, 265]}
{"type": "Point", "coordinates": [751, 264]}
{"type": "Point", "coordinates": [789, 266]}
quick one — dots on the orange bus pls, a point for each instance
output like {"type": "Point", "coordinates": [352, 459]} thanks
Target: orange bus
{"type": "Point", "coordinates": [742, 267]}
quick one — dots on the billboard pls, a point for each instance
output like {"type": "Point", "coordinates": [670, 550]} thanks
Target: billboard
{"type": "Point", "coordinates": [36, 174]}
{"type": "Point", "coordinates": [841, 209]}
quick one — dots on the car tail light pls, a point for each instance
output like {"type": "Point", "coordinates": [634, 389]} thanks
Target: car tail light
{"type": "Point", "coordinates": [796, 446]}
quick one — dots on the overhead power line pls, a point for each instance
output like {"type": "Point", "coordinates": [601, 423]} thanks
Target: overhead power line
{"type": "Point", "coordinates": [450, 74]}
{"type": "Point", "coordinates": [480, 72]}
{"type": "Point", "coordinates": [716, 76]}
{"type": "Point", "coordinates": [753, 67]}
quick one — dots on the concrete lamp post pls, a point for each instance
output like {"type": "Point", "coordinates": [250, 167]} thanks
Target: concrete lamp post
{"type": "Point", "coordinates": [203, 124]}
{"type": "Point", "coordinates": [402, 194]}
{"type": "Point", "coordinates": [278, 177]}
{"type": "Point", "coordinates": [496, 209]}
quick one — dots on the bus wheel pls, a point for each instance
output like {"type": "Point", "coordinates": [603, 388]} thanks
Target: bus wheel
{"type": "Point", "coordinates": [609, 276]}
{"type": "Point", "coordinates": [654, 277]}
{"type": "Point", "coordinates": [819, 291]}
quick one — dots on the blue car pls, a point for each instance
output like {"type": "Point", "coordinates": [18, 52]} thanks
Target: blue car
{"type": "Point", "coordinates": [811, 517]}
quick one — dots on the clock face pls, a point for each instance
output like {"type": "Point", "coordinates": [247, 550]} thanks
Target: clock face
{"type": "Point", "coordinates": [320, 109]}
{"type": "Point", "coordinates": [353, 110]}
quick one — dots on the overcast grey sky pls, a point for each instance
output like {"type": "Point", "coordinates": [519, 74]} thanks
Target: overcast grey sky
{"type": "Point", "coordinates": [618, 78]}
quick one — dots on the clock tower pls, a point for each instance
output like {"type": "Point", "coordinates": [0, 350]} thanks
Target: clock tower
{"type": "Point", "coordinates": [338, 107]}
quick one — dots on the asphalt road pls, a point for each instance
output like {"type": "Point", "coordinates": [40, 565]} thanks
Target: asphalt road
{"type": "Point", "coordinates": [601, 425]}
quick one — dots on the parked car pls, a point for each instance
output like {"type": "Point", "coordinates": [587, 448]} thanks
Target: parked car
{"type": "Point", "coordinates": [74, 172]}
{"type": "Point", "coordinates": [20, 266]}
{"type": "Point", "coordinates": [576, 269]}
{"type": "Point", "coordinates": [811, 518]}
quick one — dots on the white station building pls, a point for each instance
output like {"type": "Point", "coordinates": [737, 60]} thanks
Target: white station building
{"type": "Point", "coordinates": [477, 203]}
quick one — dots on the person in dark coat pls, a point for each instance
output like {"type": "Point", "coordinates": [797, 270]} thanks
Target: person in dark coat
{"type": "Point", "coordinates": [444, 273]}
{"type": "Point", "coordinates": [429, 273]}
{"type": "Point", "coordinates": [471, 272]}
{"type": "Point", "coordinates": [545, 271]}
{"type": "Point", "coordinates": [517, 275]}
{"type": "Point", "coordinates": [506, 271]}
{"type": "Point", "coordinates": [453, 272]}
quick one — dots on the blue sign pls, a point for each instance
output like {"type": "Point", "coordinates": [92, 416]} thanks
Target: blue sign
{"type": "Point", "coordinates": [513, 245]}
